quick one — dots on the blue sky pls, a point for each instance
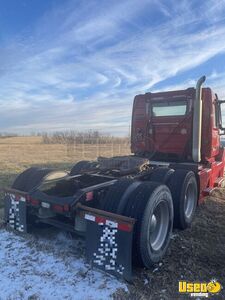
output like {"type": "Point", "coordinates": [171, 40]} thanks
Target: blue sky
{"type": "Point", "coordinates": [78, 64]}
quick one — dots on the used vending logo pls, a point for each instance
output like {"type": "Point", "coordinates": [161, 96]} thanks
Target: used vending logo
{"type": "Point", "coordinates": [200, 289]}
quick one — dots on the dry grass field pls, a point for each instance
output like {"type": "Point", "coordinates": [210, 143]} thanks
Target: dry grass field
{"type": "Point", "coordinates": [19, 153]}
{"type": "Point", "coordinates": [195, 254]}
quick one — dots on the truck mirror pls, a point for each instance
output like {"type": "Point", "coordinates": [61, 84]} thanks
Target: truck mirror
{"type": "Point", "coordinates": [221, 118]}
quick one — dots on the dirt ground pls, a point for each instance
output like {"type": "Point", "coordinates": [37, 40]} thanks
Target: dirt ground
{"type": "Point", "coordinates": [196, 254]}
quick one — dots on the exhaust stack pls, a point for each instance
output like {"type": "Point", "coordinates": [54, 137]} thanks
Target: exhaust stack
{"type": "Point", "coordinates": [197, 121]}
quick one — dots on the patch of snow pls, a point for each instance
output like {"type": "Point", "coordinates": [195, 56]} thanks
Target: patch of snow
{"type": "Point", "coordinates": [145, 281]}
{"type": "Point", "coordinates": [155, 270]}
{"type": "Point", "coordinates": [51, 267]}
{"type": "Point", "coordinates": [174, 236]}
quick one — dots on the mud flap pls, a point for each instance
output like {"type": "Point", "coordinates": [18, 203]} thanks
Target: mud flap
{"type": "Point", "coordinates": [15, 211]}
{"type": "Point", "coordinates": [109, 242]}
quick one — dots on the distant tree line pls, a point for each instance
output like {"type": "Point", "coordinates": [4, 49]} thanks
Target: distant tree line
{"type": "Point", "coordinates": [6, 134]}
{"type": "Point", "coordinates": [86, 137]}
{"type": "Point", "coordinates": [73, 137]}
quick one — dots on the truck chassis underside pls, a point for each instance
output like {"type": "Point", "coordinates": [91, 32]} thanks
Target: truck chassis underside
{"type": "Point", "coordinates": [76, 203]}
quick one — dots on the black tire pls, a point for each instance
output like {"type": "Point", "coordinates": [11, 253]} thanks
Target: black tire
{"type": "Point", "coordinates": [21, 180]}
{"type": "Point", "coordinates": [36, 178]}
{"type": "Point", "coordinates": [25, 182]}
{"type": "Point", "coordinates": [79, 167]}
{"type": "Point", "coordinates": [30, 178]}
{"type": "Point", "coordinates": [161, 174]}
{"type": "Point", "coordinates": [116, 197]}
{"type": "Point", "coordinates": [141, 205]}
{"type": "Point", "coordinates": [184, 190]}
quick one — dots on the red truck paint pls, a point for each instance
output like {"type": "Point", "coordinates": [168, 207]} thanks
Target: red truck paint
{"type": "Point", "coordinates": [169, 138]}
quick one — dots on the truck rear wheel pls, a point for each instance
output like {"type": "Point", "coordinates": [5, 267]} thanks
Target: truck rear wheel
{"type": "Point", "coordinates": [116, 197]}
{"type": "Point", "coordinates": [36, 178]}
{"type": "Point", "coordinates": [25, 182]}
{"type": "Point", "coordinates": [79, 167]}
{"type": "Point", "coordinates": [21, 180]}
{"type": "Point", "coordinates": [30, 178]}
{"type": "Point", "coordinates": [183, 187]}
{"type": "Point", "coordinates": [161, 174]}
{"type": "Point", "coordinates": [152, 206]}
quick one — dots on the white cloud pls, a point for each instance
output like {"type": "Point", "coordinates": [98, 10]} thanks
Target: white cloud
{"type": "Point", "coordinates": [84, 63]}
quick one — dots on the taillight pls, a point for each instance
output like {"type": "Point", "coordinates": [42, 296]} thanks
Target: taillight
{"type": "Point", "coordinates": [89, 196]}
{"type": "Point", "coordinates": [17, 197]}
{"type": "Point", "coordinates": [66, 207]}
{"type": "Point", "coordinates": [58, 208]}
{"type": "Point", "coordinates": [55, 207]}
{"type": "Point", "coordinates": [28, 199]}
{"type": "Point", "coordinates": [34, 202]}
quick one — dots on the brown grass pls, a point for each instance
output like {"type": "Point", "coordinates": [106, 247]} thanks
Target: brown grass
{"type": "Point", "coordinates": [195, 254]}
{"type": "Point", "coordinates": [19, 153]}
{"type": "Point", "coordinates": [87, 137]}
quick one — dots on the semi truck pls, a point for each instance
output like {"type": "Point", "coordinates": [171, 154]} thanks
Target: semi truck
{"type": "Point", "coordinates": [126, 207]}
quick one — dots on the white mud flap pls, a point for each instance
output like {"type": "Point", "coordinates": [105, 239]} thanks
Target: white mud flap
{"type": "Point", "coordinates": [109, 242]}
{"type": "Point", "coordinates": [15, 211]}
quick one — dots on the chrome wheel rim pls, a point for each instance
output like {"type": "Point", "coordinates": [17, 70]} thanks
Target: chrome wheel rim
{"type": "Point", "coordinates": [189, 201]}
{"type": "Point", "coordinates": [159, 225]}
